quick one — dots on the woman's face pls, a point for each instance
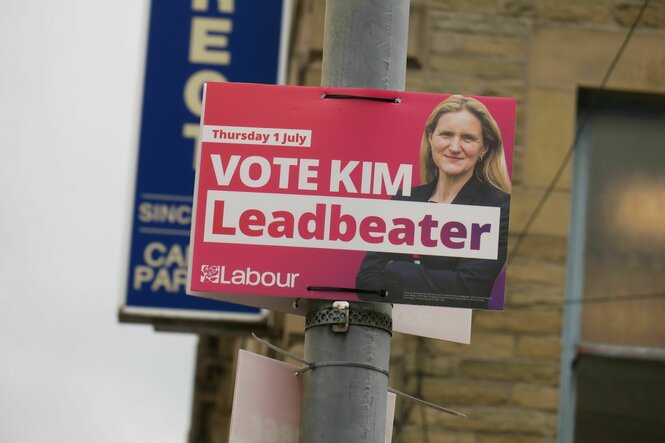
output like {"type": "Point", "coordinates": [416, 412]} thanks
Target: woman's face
{"type": "Point", "coordinates": [457, 142]}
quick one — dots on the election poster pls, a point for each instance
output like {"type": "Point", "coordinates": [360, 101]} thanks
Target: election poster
{"type": "Point", "coordinates": [352, 194]}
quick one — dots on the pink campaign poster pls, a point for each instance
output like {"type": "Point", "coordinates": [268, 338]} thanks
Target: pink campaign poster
{"type": "Point", "coordinates": [352, 194]}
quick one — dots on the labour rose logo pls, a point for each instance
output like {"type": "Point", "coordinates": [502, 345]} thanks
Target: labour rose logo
{"type": "Point", "coordinates": [210, 273]}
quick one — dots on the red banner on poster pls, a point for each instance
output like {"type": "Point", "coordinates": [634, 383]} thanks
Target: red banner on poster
{"type": "Point", "coordinates": [352, 194]}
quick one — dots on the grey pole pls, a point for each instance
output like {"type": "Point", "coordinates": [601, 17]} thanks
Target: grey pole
{"type": "Point", "coordinates": [364, 46]}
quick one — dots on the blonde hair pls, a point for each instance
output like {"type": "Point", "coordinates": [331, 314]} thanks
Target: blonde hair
{"type": "Point", "coordinates": [492, 168]}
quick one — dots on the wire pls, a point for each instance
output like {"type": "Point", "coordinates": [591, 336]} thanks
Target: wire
{"type": "Point", "coordinates": [581, 126]}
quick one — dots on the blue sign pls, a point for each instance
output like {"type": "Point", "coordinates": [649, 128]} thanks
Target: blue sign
{"type": "Point", "coordinates": [189, 42]}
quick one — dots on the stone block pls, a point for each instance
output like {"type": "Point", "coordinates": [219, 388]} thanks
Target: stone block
{"type": "Point", "coordinates": [511, 370]}
{"type": "Point", "coordinates": [552, 219]}
{"type": "Point", "coordinates": [575, 11]}
{"type": "Point", "coordinates": [541, 347]}
{"type": "Point", "coordinates": [518, 321]}
{"type": "Point", "coordinates": [417, 41]}
{"type": "Point", "coordinates": [312, 74]}
{"type": "Point", "coordinates": [465, 392]}
{"type": "Point", "coordinates": [482, 345]}
{"type": "Point", "coordinates": [446, 42]}
{"type": "Point", "coordinates": [524, 295]}
{"type": "Point", "coordinates": [654, 16]}
{"type": "Point", "coordinates": [513, 438]}
{"type": "Point", "coordinates": [512, 47]}
{"type": "Point", "coordinates": [294, 324]}
{"type": "Point", "coordinates": [450, 42]}
{"type": "Point", "coordinates": [518, 154]}
{"type": "Point", "coordinates": [536, 396]}
{"type": "Point", "coordinates": [480, 67]}
{"type": "Point", "coordinates": [318, 15]}
{"type": "Point", "coordinates": [588, 53]}
{"type": "Point", "coordinates": [416, 80]}
{"type": "Point", "coordinates": [474, 23]}
{"type": "Point", "coordinates": [411, 434]}
{"type": "Point", "coordinates": [439, 365]}
{"type": "Point", "coordinates": [475, 6]}
{"type": "Point", "coordinates": [549, 247]}
{"type": "Point", "coordinates": [549, 135]}
{"type": "Point", "coordinates": [535, 271]}
{"type": "Point", "coordinates": [461, 83]}
{"type": "Point", "coordinates": [500, 420]}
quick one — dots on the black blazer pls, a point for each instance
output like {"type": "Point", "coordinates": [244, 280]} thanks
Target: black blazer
{"type": "Point", "coordinates": [437, 280]}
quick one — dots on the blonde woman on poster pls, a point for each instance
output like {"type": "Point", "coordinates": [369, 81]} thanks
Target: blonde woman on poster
{"type": "Point", "coordinates": [462, 162]}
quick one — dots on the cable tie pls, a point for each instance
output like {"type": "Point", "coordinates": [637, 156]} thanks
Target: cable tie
{"type": "Point", "coordinates": [352, 364]}
{"type": "Point", "coordinates": [362, 97]}
{"type": "Point", "coordinates": [280, 350]}
{"type": "Point", "coordinates": [380, 292]}
{"type": "Point", "coordinates": [313, 365]}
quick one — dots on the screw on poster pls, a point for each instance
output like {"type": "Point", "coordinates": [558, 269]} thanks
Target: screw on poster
{"type": "Point", "coordinates": [352, 194]}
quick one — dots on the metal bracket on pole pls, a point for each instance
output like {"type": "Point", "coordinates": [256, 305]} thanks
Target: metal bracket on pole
{"type": "Point", "coordinates": [340, 316]}
{"type": "Point", "coordinates": [343, 308]}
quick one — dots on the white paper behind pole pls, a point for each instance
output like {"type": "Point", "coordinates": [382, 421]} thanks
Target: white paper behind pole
{"type": "Point", "coordinates": [452, 324]}
{"type": "Point", "coordinates": [390, 416]}
{"type": "Point", "coordinates": [266, 402]}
